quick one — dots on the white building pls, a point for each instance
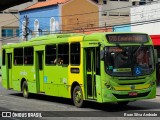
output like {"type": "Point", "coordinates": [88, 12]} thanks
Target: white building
{"type": "Point", "coordinates": [113, 12]}
{"type": "Point", "coordinates": [146, 18]}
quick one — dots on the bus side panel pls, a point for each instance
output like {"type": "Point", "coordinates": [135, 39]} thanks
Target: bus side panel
{"type": "Point", "coordinates": [7, 69]}
{"type": "Point", "coordinates": [32, 87]}
{"type": "Point", "coordinates": [51, 89]}
{"type": "Point", "coordinates": [50, 81]}
{"type": "Point", "coordinates": [98, 88]}
{"type": "Point", "coordinates": [76, 77]}
{"type": "Point", "coordinates": [55, 83]}
{"type": "Point", "coordinates": [76, 74]}
{"type": "Point", "coordinates": [63, 81]}
{"type": "Point", "coordinates": [4, 77]}
{"type": "Point", "coordinates": [31, 79]}
{"type": "Point", "coordinates": [17, 77]}
{"type": "Point", "coordinates": [24, 72]}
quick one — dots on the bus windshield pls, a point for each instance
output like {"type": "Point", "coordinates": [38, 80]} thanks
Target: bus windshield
{"type": "Point", "coordinates": [129, 60]}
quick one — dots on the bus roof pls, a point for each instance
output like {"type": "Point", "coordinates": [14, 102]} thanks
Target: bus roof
{"type": "Point", "coordinates": [56, 38]}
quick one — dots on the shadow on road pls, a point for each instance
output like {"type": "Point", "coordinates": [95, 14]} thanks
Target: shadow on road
{"type": "Point", "coordinates": [108, 107]}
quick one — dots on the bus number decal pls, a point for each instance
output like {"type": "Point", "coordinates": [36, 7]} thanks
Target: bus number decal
{"type": "Point", "coordinates": [23, 73]}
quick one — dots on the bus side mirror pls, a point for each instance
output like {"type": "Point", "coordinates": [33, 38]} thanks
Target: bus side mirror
{"type": "Point", "coordinates": [102, 55]}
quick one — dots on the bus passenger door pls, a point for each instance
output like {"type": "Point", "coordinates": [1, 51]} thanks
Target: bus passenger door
{"type": "Point", "coordinates": [91, 72]}
{"type": "Point", "coordinates": [9, 68]}
{"type": "Point", "coordinates": [40, 67]}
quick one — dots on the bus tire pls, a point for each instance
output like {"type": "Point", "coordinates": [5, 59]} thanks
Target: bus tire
{"type": "Point", "coordinates": [123, 103]}
{"type": "Point", "coordinates": [25, 89]}
{"type": "Point", "coordinates": [78, 97]}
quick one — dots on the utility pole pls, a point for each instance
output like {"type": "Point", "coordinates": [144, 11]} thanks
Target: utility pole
{"type": "Point", "coordinates": [26, 28]}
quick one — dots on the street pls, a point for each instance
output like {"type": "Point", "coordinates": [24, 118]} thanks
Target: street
{"type": "Point", "coordinates": [13, 101]}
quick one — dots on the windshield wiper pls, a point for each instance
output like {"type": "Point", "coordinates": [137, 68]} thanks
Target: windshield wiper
{"type": "Point", "coordinates": [137, 50]}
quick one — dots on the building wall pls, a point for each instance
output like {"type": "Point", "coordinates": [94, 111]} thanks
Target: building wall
{"type": "Point", "coordinates": [9, 19]}
{"type": "Point", "coordinates": [146, 18]}
{"type": "Point", "coordinates": [43, 15]}
{"type": "Point", "coordinates": [79, 21]}
{"type": "Point", "coordinates": [114, 12]}
{"type": "Point", "coordinates": [21, 6]}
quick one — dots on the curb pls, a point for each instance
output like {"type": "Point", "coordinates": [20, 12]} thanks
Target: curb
{"type": "Point", "coordinates": [158, 91]}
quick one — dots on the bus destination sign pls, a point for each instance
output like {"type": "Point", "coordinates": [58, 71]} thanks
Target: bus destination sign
{"type": "Point", "coordinates": [128, 38]}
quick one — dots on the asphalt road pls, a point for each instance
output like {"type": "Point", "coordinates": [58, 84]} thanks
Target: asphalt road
{"type": "Point", "coordinates": [60, 108]}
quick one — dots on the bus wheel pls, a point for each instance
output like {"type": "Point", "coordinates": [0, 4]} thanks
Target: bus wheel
{"type": "Point", "coordinates": [25, 89]}
{"type": "Point", "coordinates": [123, 103]}
{"type": "Point", "coordinates": [78, 97]}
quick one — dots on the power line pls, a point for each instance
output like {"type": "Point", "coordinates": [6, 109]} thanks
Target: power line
{"type": "Point", "coordinates": [86, 13]}
{"type": "Point", "coordinates": [9, 23]}
{"type": "Point", "coordinates": [7, 38]}
{"type": "Point", "coordinates": [104, 21]}
{"type": "Point", "coordinates": [119, 26]}
{"type": "Point", "coordinates": [6, 20]}
{"type": "Point", "coordinates": [96, 28]}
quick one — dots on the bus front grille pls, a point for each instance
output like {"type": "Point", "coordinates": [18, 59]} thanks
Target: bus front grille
{"type": "Point", "coordinates": [131, 83]}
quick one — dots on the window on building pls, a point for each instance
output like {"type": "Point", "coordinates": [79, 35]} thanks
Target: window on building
{"type": "Point", "coordinates": [50, 55]}
{"type": "Point", "coordinates": [63, 54]}
{"type": "Point", "coordinates": [104, 14]}
{"type": "Point", "coordinates": [104, 1]}
{"type": "Point", "coordinates": [142, 2]}
{"type": "Point", "coordinates": [124, 14]}
{"type": "Point", "coordinates": [4, 57]}
{"type": "Point", "coordinates": [28, 55]}
{"type": "Point", "coordinates": [75, 54]}
{"type": "Point", "coordinates": [96, 1]}
{"type": "Point", "coordinates": [7, 32]}
{"type": "Point", "coordinates": [41, 0]}
{"type": "Point", "coordinates": [125, 0]}
{"type": "Point", "coordinates": [36, 27]}
{"type": "Point", "coordinates": [114, 14]}
{"type": "Point", "coordinates": [17, 32]}
{"type": "Point", "coordinates": [52, 25]}
{"type": "Point", "coordinates": [18, 56]}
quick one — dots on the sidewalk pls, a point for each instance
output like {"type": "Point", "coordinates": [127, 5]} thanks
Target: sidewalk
{"type": "Point", "coordinates": [158, 90]}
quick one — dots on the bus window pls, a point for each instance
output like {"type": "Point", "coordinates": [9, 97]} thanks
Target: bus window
{"type": "Point", "coordinates": [18, 56]}
{"type": "Point", "coordinates": [28, 55]}
{"type": "Point", "coordinates": [98, 61]}
{"type": "Point", "coordinates": [50, 54]}
{"type": "Point", "coordinates": [3, 59]}
{"type": "Point", "coordinates": [63, 54]}
{"type": "Point", "coordinates": [75, 54]}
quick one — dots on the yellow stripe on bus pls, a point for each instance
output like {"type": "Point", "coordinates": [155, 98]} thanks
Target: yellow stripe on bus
{"type": "Point", "coordinates": [75, 39]}
{"type": "Point", "coordinates": [129, 88]}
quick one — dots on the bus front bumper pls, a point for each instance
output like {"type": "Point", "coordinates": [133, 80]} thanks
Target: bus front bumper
{"type": "Point", "coordinates": [117, 96]}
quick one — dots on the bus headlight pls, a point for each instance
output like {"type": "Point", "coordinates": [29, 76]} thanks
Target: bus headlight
{"type": "Point", "coordinates": [109, 86]}
{"type": "Point", "coordinates": [152, 83]}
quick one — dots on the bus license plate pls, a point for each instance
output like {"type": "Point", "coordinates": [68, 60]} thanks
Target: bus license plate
{"type": "Point", "coordinates": [132, 93]}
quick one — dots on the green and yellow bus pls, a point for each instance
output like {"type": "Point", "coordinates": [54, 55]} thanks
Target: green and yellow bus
{"type": "Point", "coordinates": [100, 67]}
